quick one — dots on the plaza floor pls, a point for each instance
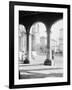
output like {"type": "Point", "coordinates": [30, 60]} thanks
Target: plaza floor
{"type": "Point", "coordinates": [39, 70]}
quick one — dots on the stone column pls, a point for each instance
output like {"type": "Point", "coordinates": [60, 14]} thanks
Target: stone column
{"type": "Point", "coordinates": [48, 61]}
{"type": "Point", "coordinates": [26, 61]}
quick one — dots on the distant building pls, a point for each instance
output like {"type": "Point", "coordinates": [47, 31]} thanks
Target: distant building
{"type": "Point", "coordinates": [57, 45]}
{"type": "Point", "coordinates": [61, 40]}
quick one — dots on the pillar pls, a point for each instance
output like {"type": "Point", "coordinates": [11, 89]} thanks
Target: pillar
{"type": "Point", "coordinates": [26, 61]}
{"type": "Point", "coordinates": [48, 61]}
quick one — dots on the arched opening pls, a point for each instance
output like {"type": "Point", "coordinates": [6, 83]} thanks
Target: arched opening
{"type": "Point", "coordinates": [56, 42]}
{"type": "Point", "coordinates": [37, 43]}
{"type": "Point", "coordinates": [22, 46]}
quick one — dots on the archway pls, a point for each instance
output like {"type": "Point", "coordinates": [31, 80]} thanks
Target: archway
{"type": "Point", "coordinates": [56, 40]}
{"type": "Point", "coordinates": [37, 43]}
{"type": "Point", "coordinates": [22, 46]}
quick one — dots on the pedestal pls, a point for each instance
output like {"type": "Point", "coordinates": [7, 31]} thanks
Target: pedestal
{"type": "Point", "coordinates": [26, 61]}
{"type": "Point", "coordinates": [48, 62]}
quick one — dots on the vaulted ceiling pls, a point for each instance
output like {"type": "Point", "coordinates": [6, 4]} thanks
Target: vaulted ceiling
{"type": "Point", "coordinates": [27, 18]}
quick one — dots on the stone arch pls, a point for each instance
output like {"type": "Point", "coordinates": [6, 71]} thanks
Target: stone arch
{"type": "Point", "coordinates": [37, 32]}
{"type": "Point", "coordinates": [22, 42]}
{"type": "Point", "coordinates": [56, 36]}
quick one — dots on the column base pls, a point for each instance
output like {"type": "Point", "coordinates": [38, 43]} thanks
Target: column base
{"type": "Point", "coordinates": [26, 61]}
{"type": "Point", "coordinates": [48, 62]}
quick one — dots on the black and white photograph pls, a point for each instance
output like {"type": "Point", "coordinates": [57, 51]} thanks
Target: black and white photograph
{"type": "Point", "coordinates": [40, 44]}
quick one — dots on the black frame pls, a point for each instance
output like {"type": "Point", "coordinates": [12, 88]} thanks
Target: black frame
{"type": "Point", "coordinates": [11, 44]}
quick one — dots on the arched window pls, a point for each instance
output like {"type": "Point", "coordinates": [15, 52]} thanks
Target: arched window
{"type": "Point", "coordinates": [37, 43]}
{"type": "Point", "coordinates": [22, 42]}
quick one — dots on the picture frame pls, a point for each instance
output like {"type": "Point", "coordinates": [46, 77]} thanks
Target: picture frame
{"type": "Point", "coordinates": [39, 73]}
